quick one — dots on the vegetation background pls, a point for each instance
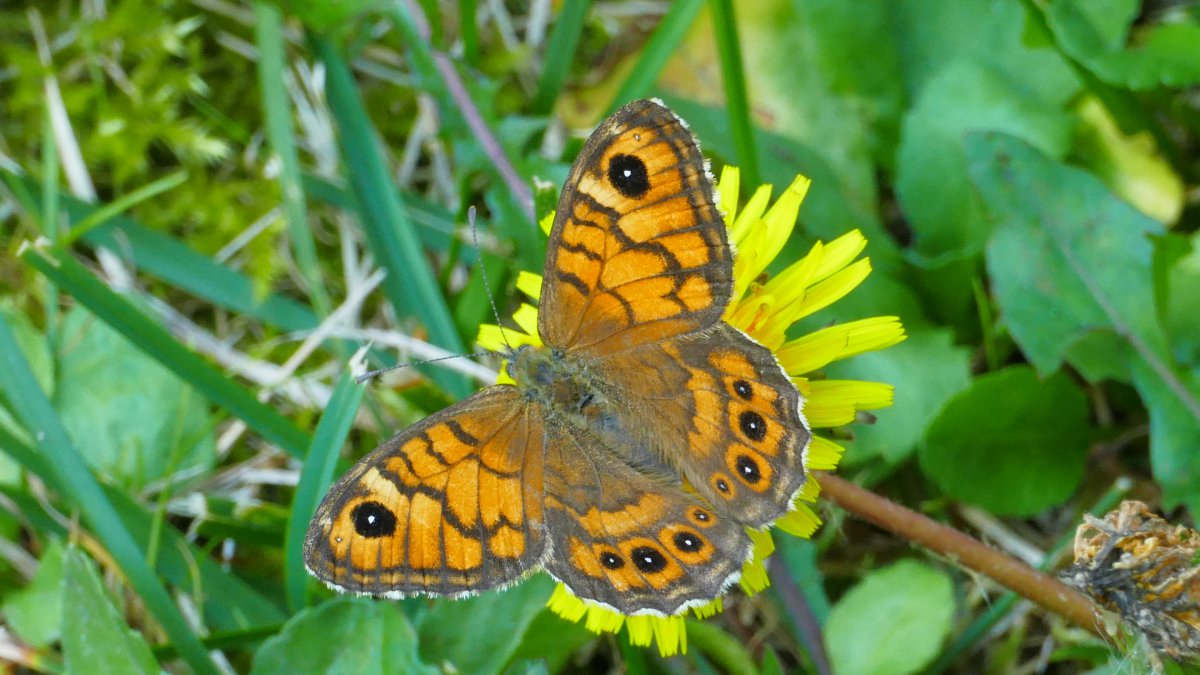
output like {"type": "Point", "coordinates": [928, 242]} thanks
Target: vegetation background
{"type": "Point", "coordinates": [201, 199]}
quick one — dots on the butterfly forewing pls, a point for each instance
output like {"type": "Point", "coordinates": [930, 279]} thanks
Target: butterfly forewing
{"type": "Point", "coordinates": [453, 504]}
{"type": "Point", "coordinates": [638, 250]}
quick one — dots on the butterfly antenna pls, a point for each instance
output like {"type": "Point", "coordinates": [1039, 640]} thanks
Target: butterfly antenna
{"type": "Point", "coordinates": [487, 285]}
{"type": "Point", "coordinates": [372, 374]}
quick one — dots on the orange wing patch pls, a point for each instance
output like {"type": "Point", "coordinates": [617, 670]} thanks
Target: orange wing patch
{"type": "Point", "coordinates": [430, 510]}
{"type": "Point", "coordinates": [638, 250]}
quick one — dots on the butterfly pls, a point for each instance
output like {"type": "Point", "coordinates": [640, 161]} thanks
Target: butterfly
{"type": "Point", "coordinates": [636, 446]}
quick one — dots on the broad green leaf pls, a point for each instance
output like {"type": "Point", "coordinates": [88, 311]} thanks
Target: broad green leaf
{"type": "Point", "coordinates": [344, 635]}
{"type": "Point", "coordinates": [1162, 55]}
{"type": "Point", "coordinates": [35, 611]}
{"type": "Point", "coordinates": [552, 641]}
{"type": "Point", "coordinates": [95, 637]}
{"type": "Point", "coordinates": [1010, 443]}
{"type": "Point", "coordinates": [932, 183]}
{"type": "Point", "coordinates": [926, 369]}
{"type": "Point", "coordinates": [1174, 434]}
{"type": "Point", "coordinates": [1182, 298]}
{"type": "Point", "coordinates": [506, 615]}
{"type": "Point", "coordinates": [893, 621]}
{"type": "Point", "coordinates": [934, 34]}
{"type": "Point", "coordinates": [127, 413]}
{"type": "Point", "coordinates": [1067, 257]}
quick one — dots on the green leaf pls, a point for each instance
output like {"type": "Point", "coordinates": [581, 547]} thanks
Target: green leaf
{"type": "Point", "coordinates": [35, 611]}
{"type": "Point", "coordinates": [1174, 435]}
{"type": "Point", "coordinates": [1067, 257]}
{"type": "Point", "coordinates": [1181, 303]}
{"type": "Point", "coordinates": [935, 34]}
{"type": "Point", "coordinates": [1163, 55]}
{"type": "Point", "coordinates": [1010, 443]}
{"type": "Point", "coordinates": [344, 635]}
{"type": "Point", "coordinates": [127, 413]}
{"type": "Point", "coordinates": [893, 621]}
{"type": "Point", "coordinates": [926, 369]}
{"type": "Point", "coordinates": [506, 615]}
{"type": "Point", "coordinates": [931, 179]}
{"type": "Point", "coordinates": [96, 638]}
{"type": "Point", "coordinates": [552, 641]}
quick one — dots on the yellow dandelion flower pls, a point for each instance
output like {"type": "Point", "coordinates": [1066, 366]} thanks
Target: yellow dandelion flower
{"type": "Point", "coordinates": [764, 310]}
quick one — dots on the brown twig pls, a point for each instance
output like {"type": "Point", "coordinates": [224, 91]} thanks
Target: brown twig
{"type": "Point", "coordinates": [962, 549]}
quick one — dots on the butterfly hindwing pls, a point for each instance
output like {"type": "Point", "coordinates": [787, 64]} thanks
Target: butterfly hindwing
{"type": "Point", "coordinates": [727, 418]}
{"type": "Point", "coordinates": [632, 538]}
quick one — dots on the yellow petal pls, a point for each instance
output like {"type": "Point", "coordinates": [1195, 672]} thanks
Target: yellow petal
{"type": "Point", "coordinates": [822, 454]}
{"type": "Point", "coordinates": [819, 348]}
{"type": "Point", "coordinates": [824, 293]}
{"type": "Point", "coordinates": [800, 522]}
{"type": "Point", "coordinates": [546, 223]}
{"type": "Point", "coordinates": [832, 403]}
{"type": "Point", "coordinates": [530, 284]}
{"type": "Point", "coordinates": [751, 213]}
{"type": "Point", "coordinates": [754, 572]}
{"type": "Point", "coordinates": [839, 253]}
{"type": "Point", "coordinates": [727, 192]}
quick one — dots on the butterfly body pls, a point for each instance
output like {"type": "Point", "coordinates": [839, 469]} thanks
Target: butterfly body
{"type": "Point", "coordinates": [632, 451]}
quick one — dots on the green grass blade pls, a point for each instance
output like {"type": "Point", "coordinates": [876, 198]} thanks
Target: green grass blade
{"type": "Point", "coordinates": [661, 46]}
{"type": "Point", "coordinates": [169, 260]}
{"type": "Point", "coordinates": [268, 34]}
{"type": "Point", "coordinates": [469, 26]}
{"type": "Point", "coordinates": [560, 54]}
{"type": "Point", "coordinates": [314, 479]}
{"type": "Point", "coordinates": [105, 213]}
{"type": "Point", "coordinates": [410, 284]}
{"type": "Point", "coordinates": [734, 77]}
{"type": "Point", "coordinates": [156, 342]}
{"type": "Point", "coordinates": [33, 409]}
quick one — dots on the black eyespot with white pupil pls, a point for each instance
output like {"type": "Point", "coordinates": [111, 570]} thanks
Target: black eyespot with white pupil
{"type": "Point", "coordinates": [753, 425]}
{"type": "Point", "coordinates": [648, 560]}
{"type": "Point", "coordinates": [373, 520]}
{"type": "Point", "coordinates": [748, 469]}
{"type": "Point", "coordinates": [722, 485]}
{"type": "Point", "coordinates": [611, 560]}
{"type": "Point", "coordinates": [701, 516]}
{"type": "Point", "coordinates": [628, 175]}
{"type": "Point", "coordinates": [688, 542]}
{"type": "Point", "coordinates": [742, 388]}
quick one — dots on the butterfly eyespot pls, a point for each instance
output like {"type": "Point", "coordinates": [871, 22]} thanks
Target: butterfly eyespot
{"type": "Point", "coordinates": [748, 469]}
{"type": "Point", "coordinates": [611, 560]}
{"type": "Point", "coordinates": [372, 520]}
{"type": "Point", "coordinates": [722, 485]}
{"type": "Point", "coordinates": [753, 425]}
{"type": "Point", "coordinates": [688, 542]}
{"type": "Point", "coordinates": [743, 389]}
{"type": "Point", "coordinates": [648, 559]}
{"type": "Point", "coordinates": [701, 517]}
{"type": "Point", "coordinates": [628, 174]}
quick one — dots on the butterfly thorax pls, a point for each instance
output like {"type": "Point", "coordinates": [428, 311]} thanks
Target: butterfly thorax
{"type": "Point", "coordinates": [561, 384]}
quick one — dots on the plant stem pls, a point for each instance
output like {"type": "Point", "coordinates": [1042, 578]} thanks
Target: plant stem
{"type": "Point", "coordinates": [962, 549]}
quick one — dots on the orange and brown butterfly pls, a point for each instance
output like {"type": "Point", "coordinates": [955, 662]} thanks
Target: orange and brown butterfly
{"type": "Point", "coordinates": [632, 451]}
